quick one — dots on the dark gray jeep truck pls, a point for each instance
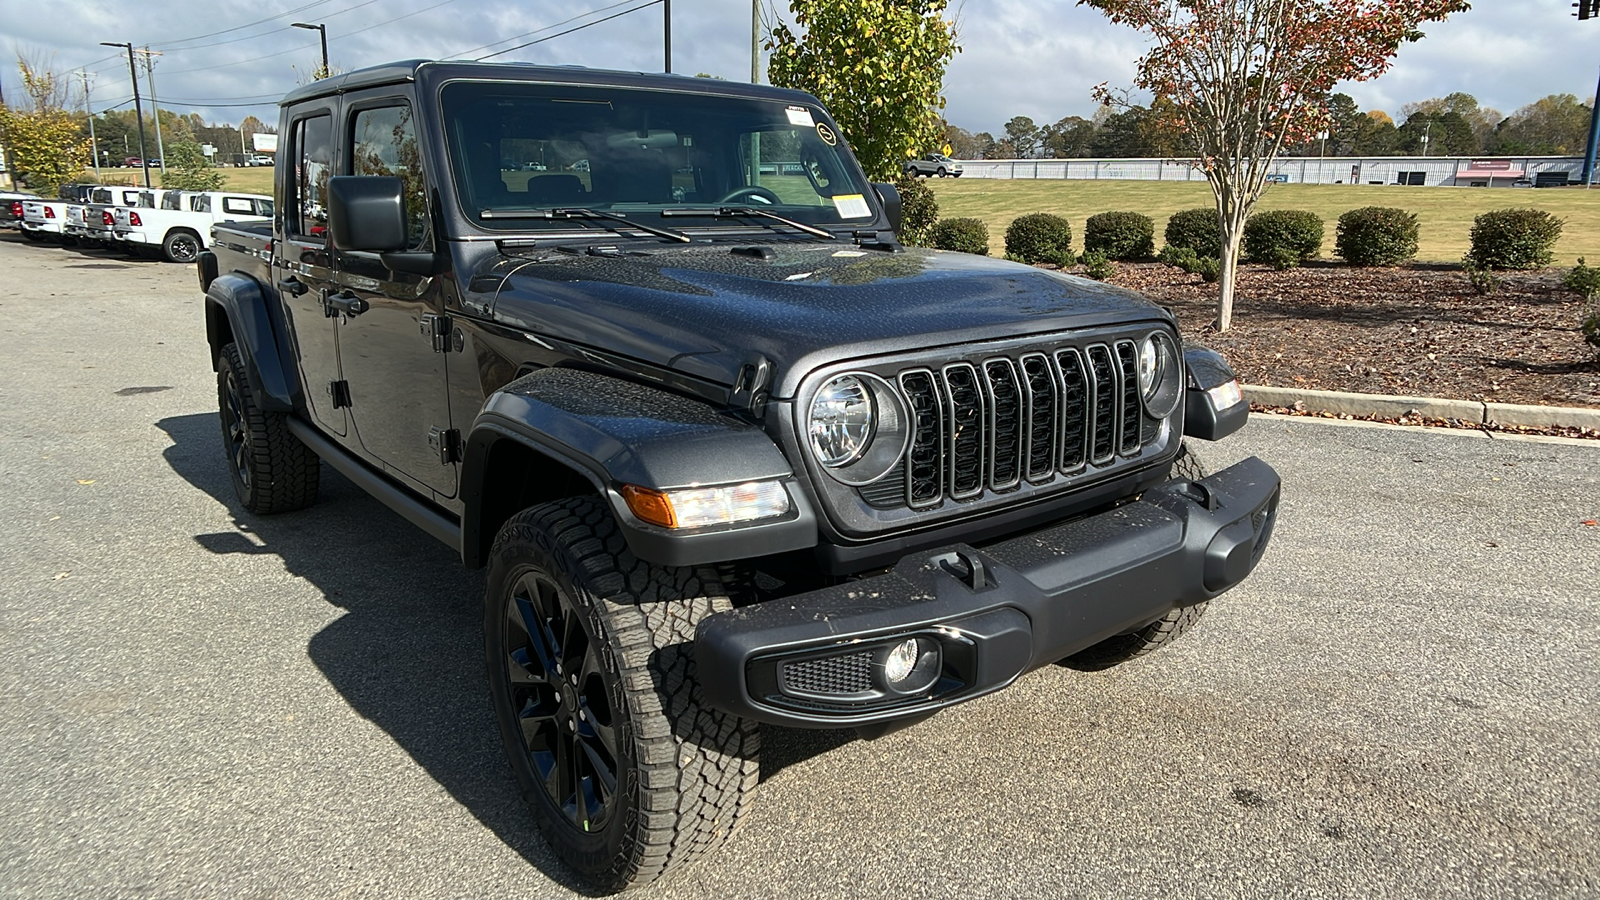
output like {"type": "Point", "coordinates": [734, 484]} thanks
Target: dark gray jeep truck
{"type": "Point", "coordinates": [647, 348]}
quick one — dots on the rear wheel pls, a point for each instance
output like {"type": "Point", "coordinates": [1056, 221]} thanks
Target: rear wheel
{"type": "Point", "coordinates": [181, 247]}
{"type": "Point", "coordinates": [1116, 650]}
{"type": "Point", "coordinates": [630, 774]}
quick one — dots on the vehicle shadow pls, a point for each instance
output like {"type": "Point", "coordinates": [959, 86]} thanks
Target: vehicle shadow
{"type": "Point", "coordinates": [407, 655]}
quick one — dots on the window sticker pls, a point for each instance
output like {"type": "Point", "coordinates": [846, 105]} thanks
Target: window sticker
{"type": "Point", "coordinates": [799, 115]}
{"type": "Point", "coordinates": [849, 254]}
{"type": "Point", "coordinates": [852, 206]}
{"type": "Point", "coordinates": [827, 135]}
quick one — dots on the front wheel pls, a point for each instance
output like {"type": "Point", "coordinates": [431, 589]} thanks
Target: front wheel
{"type": "Point", "coordinates": [1114, 651]}
{"type": "Point", "coordinates": [630, 774]}
{"type": "Point", "coordinates": [272, 471]}
{"type": "Point", "coordinates": [942, 173]}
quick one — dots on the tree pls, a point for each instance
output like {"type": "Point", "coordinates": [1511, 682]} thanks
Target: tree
{"type": "Point", "coordinates": [1480, 119]}
{"type": "Point", "coordinates": [189, 170]}
{"type": "Point", "coordinates": [1247, 77]}
{"type": "Point", "coordinates": [1023, 136]}
{"type": "Point", "coordinates": [1557, 125]}
{"type": "Point", "coordinates": [879, 67]}
{"type": "Point", "coordinates": [1448, 133]}
{"type": "Point", "coordinates": [43, 138]}
{"type": "Point", "coordinates": [963, 143]}
{"type": "Point", "coordinates": [1070, 138]}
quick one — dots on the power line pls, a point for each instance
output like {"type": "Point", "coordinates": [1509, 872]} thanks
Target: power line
{"type": "Point", "coordinates": [571, 30]}
{"type": "Point", "coordinates": [252, 37]}
{"type": "Point", "coordinates": [202, 37]}
{"type": "Point", "coordinates": [575, 18]}
{"type": "Point", "coordinates": [338, 37]}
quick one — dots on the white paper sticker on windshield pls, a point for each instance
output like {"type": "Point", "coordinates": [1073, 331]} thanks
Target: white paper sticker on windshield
{"type": "Point", "coordinates": [799, 115]}
{"type": "Point", "coordinates": [852, 206]}
{"type": "Point", "coordinates": [849, 254]}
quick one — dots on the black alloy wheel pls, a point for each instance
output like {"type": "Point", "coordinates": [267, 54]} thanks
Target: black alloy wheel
{"type": "Point", "coordinates": [272, 471]}
{"type": "Point", "coordinates": [181, 247]}
{"type": "Point", "coordinates": [235, 434]}
{"type": "Point", "coordinates": [561, 699]}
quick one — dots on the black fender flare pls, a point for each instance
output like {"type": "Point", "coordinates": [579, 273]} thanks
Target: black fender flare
{"type": "Point", "coordinates": [237, 306]}
{"type": "Point", "coordinates": [1202, 418]}
{"type": "Point", "coordinates": [617, 432]}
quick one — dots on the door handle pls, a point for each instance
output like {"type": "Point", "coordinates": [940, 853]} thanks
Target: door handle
{"type": "Point", "coordinates": [292, 286]}
{"type": "Point", "coordinates": [343, 302]}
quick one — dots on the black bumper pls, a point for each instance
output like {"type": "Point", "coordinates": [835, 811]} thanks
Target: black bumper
{"type": "Point", "coordinates": [983, 617]}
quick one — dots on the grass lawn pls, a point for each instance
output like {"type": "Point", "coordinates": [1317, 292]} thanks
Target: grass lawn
{"type": "Point", "coordinates": [1445, 213]}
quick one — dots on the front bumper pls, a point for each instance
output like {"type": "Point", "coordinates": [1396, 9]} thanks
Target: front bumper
{"type": "Point", "coordinates": [984, 617]}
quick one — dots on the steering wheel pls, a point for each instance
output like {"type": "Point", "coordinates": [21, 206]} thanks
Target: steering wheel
{"type": "Point", "coordinates": [753, 192]}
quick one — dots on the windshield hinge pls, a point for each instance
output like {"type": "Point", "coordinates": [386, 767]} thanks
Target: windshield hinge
{"type": "Point", "coordinates": [441, 331]}
{"type": "Point", "coordinates": [877, 240]}
{"type": "Point", "coordinates": [749, 395]}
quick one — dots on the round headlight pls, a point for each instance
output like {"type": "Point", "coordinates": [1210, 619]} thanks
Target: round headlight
{"type": "Point", "coordinates": [1147, 366]}
{"type": "Point", "coordinates": [843, 415]}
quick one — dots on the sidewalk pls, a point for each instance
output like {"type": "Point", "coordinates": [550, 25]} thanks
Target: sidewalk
{"type": "Point", "coordinates": [1470, 412]}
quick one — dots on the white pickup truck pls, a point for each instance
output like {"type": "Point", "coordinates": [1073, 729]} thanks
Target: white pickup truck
{"type": "Point", "coordinates": [47, 219]}
{"type": "Point", "coordinates": [91, 222]}
{"type": "Point", "coordinates": [176, 225]}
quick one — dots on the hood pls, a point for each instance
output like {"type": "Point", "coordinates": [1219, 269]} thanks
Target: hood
{"type": "Point", "coordinates": [706, 311]}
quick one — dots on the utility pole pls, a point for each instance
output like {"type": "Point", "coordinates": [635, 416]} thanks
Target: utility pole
{"type": "Point", "coordinates": [94, 143]}
{"type": "Point", "coordinates": [155, 109]}
{"type": "Point", "coordinates": [138, 110]}
{"type": "Point", "coordinates": [666, 30]}
{"type": "Point", "coordinates": [755, 41]}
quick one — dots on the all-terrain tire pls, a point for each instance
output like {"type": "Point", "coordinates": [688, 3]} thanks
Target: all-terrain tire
{"type": "Point", "coordinates": [606, 669]}
{"type": "Point", "coordinates": [1114, 651]}
{"type": "Point", "coordinates": [272, 471]}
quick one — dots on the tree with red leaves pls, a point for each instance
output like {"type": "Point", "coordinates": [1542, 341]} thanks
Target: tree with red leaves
{"type": "Point", "coordinates": [1248, 77]}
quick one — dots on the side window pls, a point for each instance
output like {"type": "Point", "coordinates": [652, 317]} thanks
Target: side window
{"type": "Point", "coordinates": [384, 142]}
{"type": "Point", "coordinates": [313, 165]}
{"type": "Point", "coordinates": [238, 206]}
{"type": "Point", "coordinates": [200, 203]}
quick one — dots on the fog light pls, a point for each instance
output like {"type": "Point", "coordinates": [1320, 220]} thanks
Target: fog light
{"type": "Point", "coordinates": [901, 660]}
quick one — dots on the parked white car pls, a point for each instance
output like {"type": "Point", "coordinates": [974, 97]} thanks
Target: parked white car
{"type": "Point", "coordinates": [44, 220]}
{"type": "Point", "coordinates": [176, 225]}
{"type": "Point", "coordinates": [98, 224]}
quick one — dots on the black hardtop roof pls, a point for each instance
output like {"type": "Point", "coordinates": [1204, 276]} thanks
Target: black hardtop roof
{"type": "Point", "coordinates": [437, 71]}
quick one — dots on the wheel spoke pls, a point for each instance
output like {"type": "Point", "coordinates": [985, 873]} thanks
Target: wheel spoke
{"type": "Point", "coordinates": [601, 764]}
{"type": "Point", "coordinates": [527, 629]}
{"type": "Point", "coordinates": [536, 719]}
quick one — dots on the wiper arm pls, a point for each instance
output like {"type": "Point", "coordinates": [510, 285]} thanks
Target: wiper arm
{"type": "Point", "coordinates": [565, 213]}
{"type": "Point", "coordinates": [729, 212]}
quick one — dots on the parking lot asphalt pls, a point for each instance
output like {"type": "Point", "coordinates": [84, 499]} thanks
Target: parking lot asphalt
{"type": "Point", "coordinates": [200, 702]}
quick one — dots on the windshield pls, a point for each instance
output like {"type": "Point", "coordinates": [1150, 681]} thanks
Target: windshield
{"type": "Point", "coordinates": [644, 153]}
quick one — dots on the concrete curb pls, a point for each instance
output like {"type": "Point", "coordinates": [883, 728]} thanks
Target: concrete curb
{"type": "Point", "coordinates": [1472, 411]}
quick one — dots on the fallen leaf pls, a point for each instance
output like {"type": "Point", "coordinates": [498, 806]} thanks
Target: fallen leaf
{"type": "Point", "coordinates": [86, 481]}
{"type": "Point", "coordinates": [1590, 522]}
{"type": "Point", "coordinates": [61, 575]}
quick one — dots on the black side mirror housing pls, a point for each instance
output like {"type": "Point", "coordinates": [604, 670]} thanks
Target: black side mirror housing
{"type": "Point", "coordinates": [889, 196]}
{"type": "Point", "coordinates": [367, 212]}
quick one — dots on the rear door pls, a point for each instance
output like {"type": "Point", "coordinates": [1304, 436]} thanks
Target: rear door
{"type": "Point", "coordinates": [393, 352]}
{"type": "Point", "coordinates": [302, 264]}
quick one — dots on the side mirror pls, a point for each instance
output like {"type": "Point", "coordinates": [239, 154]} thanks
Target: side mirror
{"type": "Point", "coordinates": [889, 196]}
{"type": "Point", "coordinates": [367, 212]}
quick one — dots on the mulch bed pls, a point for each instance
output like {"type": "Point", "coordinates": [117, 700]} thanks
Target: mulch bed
{"type": "Point", "coordinates": [1418, 330]}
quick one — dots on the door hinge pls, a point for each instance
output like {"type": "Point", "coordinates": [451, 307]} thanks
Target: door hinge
{"type": "Point", "coordinates": [447, 442]}
{"type": "Point", "coordinates": [340, 392]}
{"type": "Point", "coordinates": [441, 331]}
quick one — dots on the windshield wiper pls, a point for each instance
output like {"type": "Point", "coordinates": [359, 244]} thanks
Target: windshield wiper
{"type": "Point", "coordinates": [729, 212]}
{"type": "Point", "coordinates": [582, 214]}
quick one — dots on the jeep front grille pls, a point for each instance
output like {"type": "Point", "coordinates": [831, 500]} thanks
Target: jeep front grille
{"type": "Point", "coordinates": [990, 425]}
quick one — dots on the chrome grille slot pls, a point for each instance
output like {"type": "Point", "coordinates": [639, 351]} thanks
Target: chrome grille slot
{"type": "Point", "coordinates": [1039, 408]}
{"type": "Point", "coordinates": [925, 457]}
{"type": "Point", "coordinates": [1075, 408]}
{"type": "Point", "coordinates": [1005, 424]}
{"type": "Point", "coordinates": [1103, 386]}
{"type": "Point", "coordinates": [1131, 408]}
{"type": "Point", "coordinates": [965, 408]}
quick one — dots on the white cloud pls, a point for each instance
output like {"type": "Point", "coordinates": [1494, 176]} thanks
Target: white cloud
{"type": "Point", "coordinates": [1039, 59]}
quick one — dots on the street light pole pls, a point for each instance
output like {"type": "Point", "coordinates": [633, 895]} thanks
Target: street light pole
{"type": "Point", "coordinates": [666, 31]}
{"type": "Point", "coordinates": [88, 109]}
{"type": "Point", "coordinates": [322, 32]}
{"type": "Point", "coordinates": [155, 106]}
{"type": "Point", "coordinates": [138, 110]}
{"type": "Point", "coordinates": [755, 41]}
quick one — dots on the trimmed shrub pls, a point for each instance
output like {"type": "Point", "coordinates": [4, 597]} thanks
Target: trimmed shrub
{"type": "Point", "coordinates": [1514, 239]}
{"type": "Point", "coordinates": [1096, 265]}
{"type": "Point", "coordinates": [919, 210]}
{"type": "Point", "coordinates": [1583, 280]}
{"type": "Point", "coordinates": [1040, 237]}
{"type": "Point", "coordinates": [1120, 235]}
{"type": "Point", "coordinates": [1179, 257]}
{"type": "Point", "coordinates": [1210, 269]}
{"type": "Point", "coordinates": [1482, 279]}
{"type": "Point", "coordinates": [1591, 331]}
{"type": "Point", "coordinates": [962, 235]}
{"type": "Point", "coordinates": [1196, 229]}
{"type": "Point", "coordinates": [1282, 238]}
{"type": "Point", "coordinates": [1376, 236]}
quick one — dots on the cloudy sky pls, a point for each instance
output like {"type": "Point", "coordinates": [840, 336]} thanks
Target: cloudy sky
{"type": "Point", "coordinates": [229, 58]}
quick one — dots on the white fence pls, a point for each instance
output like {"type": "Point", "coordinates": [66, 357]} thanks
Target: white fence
{"type": "Point", "coordinates": [1461, 171]}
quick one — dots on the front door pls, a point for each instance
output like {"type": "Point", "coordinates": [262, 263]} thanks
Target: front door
{"type": "Point", "coordinates": [303, 270]}
{"type": "Point", "coordinates": [392, 358]}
